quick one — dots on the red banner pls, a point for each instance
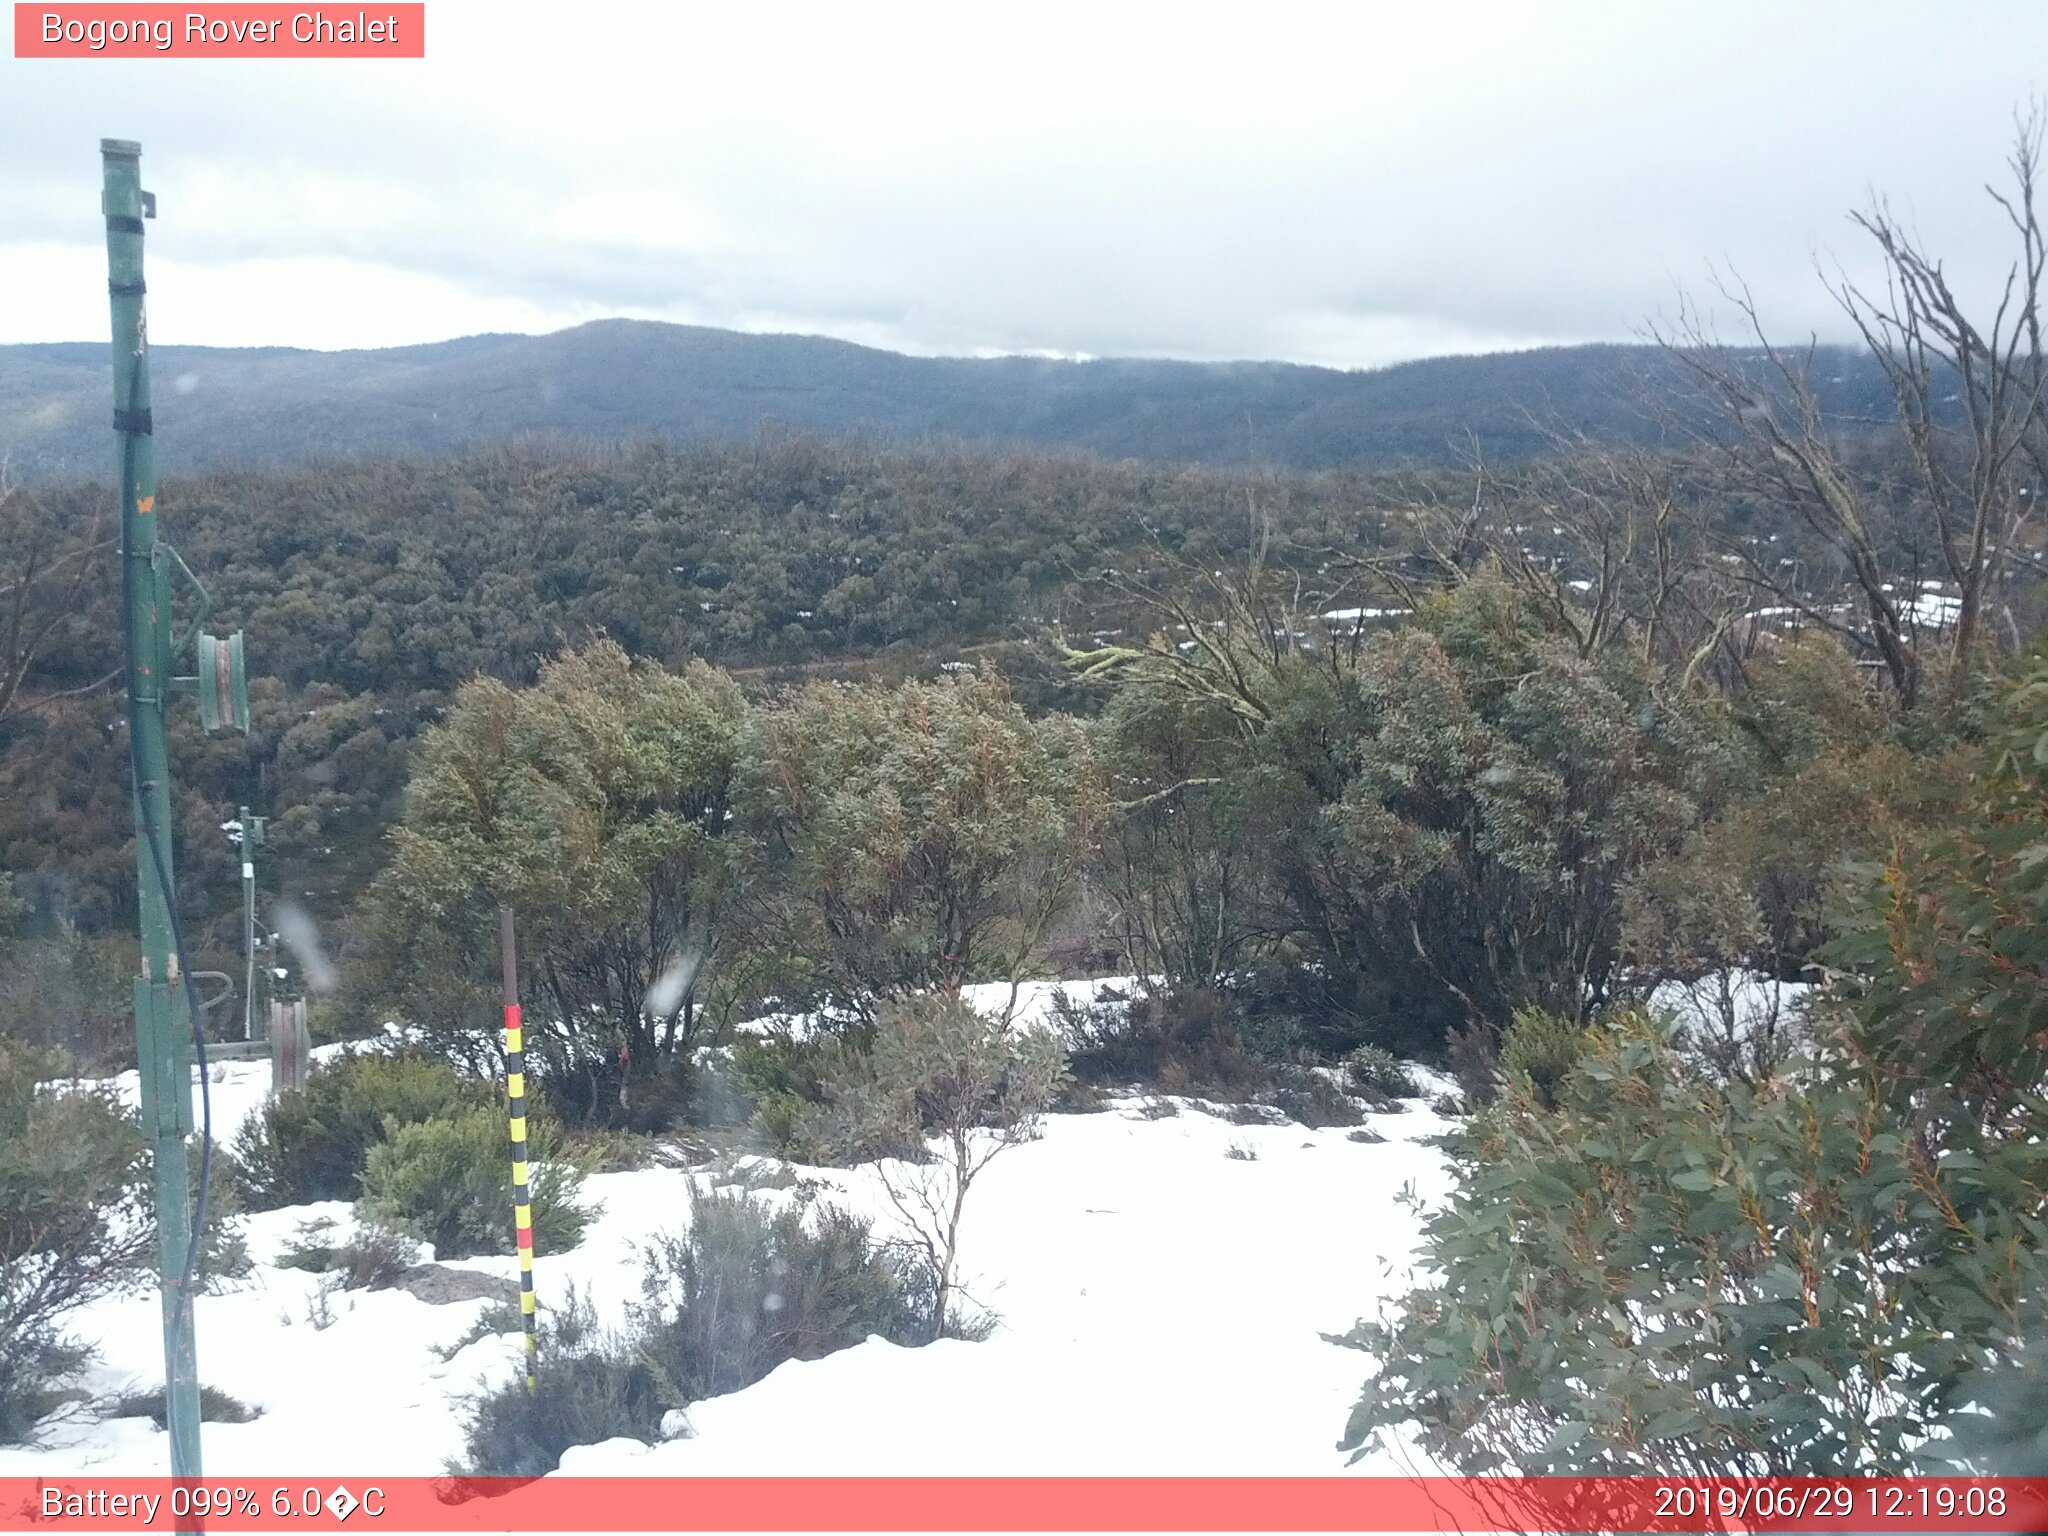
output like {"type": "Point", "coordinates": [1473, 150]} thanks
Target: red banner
{"type": "Point", "coordinates": [229, 31]}
{"type": "Point", "coordinates": [1049, 1504]}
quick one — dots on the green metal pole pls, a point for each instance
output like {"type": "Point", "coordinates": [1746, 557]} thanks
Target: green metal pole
{"type": "Point", "coordinates": [162, 1028]}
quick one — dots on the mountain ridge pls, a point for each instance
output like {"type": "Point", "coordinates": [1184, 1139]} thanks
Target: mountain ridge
{"type": "Point", "coordinates": [619, 380]}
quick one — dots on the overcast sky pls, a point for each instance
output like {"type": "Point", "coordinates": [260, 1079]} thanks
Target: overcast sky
{"type": "Point", "coordinates": [1344, 183]}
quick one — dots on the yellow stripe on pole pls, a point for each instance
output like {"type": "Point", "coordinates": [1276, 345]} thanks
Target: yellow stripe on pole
{"type": "Point", "coordinates": [515, 1084]}
{"type": "Point", "coordinates": [523, 1214]}
{"type": "Point", "coordinates": [526, 1302]}
{"type": "Point", "coordinates": [519, 1174]}
{"type": "Point", "coordinates": [519, 1129]}
{"type": "Point", "coordinates": [514, 1039]}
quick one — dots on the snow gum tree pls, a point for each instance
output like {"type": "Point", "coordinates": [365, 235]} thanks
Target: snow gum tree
{"type": "Point", "coordinates": [1807, 1270]}
{"type": "Point", "coordinates": [597, 804]}
{"type": "Point", "coordinates": [1449, 812]}
{"type": "Point", "coordinates": [915, 837]}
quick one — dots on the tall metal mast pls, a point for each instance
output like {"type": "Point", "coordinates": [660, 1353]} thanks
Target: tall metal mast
{"type": "Point", "coordinates": [162, 1027]}
{"type": "Point", "coordinates": [163, 995]}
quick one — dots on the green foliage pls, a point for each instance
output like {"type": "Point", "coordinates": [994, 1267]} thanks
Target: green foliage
{"type": "Point", "coordinates": [1668, 1274]}
{"type": "Point", "coordinates": [224, 1246]}
{"type": "Point", "coordinates": [315, 1144]}
{"type": "Point", "coordinates": [1302, 1093]}
{"type": "Point", "coordinates": [1539, 1051]}
{"type": "Point", "coordinates": [1770, 874]}
{"type": "Point", "coordinates": [1375, 1069]}
{"type": "Point", "coordinates": [778, 1073]}
{"type": "Point", "coordinates": [920, 836]}
{"type": "Point", "coordinates": [73, 992]}
{"type": "Point", "coordinates": [373, 1259]}
{"type": "Point", "coordinates": [448, 1181]}
{"type": "Point", "coordinates": [215, 1407]}
{"type": "Point", "coordinates": [1447, 813]}
{"type": "Point", "coordinates": [937, 1068]}
{"type": "Point", "coordinates": [747, 1286]}
{"type": "Point", "coordinates": [1182, 862]}
{"type": "Point", "coordinates": [1198, 1041]}
{"type": "Point", "coordinates": [1957, 952]}
{"type": "Point", "coordinates": [596, 804]}
{"type": "Point", "coordinates": [609, 1151]}
{"type": "Point", "coordinates": [72, 1225]}
{"type": "Point", "coordinates": [751, 1285]}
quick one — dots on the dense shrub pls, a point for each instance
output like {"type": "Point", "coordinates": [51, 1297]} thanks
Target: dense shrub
{"type": "Point", "coordinates": [752, 1285]}
{"type": "Point", "coordinates": [1674, 1273]}
{"type": "Point", "coordinates": [314, 1145]}
{"type": "Point", "coordinates": [215, 1407]}
{"type": "Point", "coordinates": [72, 1226]}
{"type": "Point", "coordinates": [371, 1260]}
{"type": "Point", "coordinates": [224, 1249]}
{"type": "Point", "coordinates": [448, 1181]}
{"type": "Point", "coordinates": [1189, 1041]}
{"type": "Point", "coordinates": [1376, 1070]}
{"type": "Point", "coordinates": [72, 992]}
{"type": "Point", "coordinates": [1304, 1094]}
{"type": "Point", "coordinates": [748, 1286]}
{"type": "Point", "coordinates": [1539, 1051]}
{"type": "Point", "coordinates": [777, 1073]}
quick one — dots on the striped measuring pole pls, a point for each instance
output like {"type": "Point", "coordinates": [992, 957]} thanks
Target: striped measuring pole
{"type": "Point", "coordinates": [515, 1097]}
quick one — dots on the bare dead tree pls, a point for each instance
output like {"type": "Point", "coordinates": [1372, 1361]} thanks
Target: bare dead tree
{"type": "Point", "coordinates": [1969, 419]}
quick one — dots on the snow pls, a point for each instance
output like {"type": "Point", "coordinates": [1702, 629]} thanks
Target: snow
{"type": "Point", "coordinates": [1161, 1308]}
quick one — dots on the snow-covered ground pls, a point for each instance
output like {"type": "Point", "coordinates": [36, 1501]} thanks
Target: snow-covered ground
{"type": "Point", "coordinates": [1161, 1308]}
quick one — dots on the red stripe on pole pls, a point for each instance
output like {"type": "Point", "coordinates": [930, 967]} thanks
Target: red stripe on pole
{"type": "Point", "coordinates": [526, 1238]}
{"type": "Point", "coordinates": [511, 1016]}
{"type": "Point", "coordinates": [634, 1504]}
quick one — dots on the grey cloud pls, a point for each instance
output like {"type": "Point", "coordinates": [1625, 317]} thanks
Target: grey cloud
{"type": "Point", "coordinates": [1439, 189]}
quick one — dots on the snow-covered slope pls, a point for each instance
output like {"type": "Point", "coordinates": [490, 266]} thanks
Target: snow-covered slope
{"type": "Point", "coordinates": [1161, 1307]}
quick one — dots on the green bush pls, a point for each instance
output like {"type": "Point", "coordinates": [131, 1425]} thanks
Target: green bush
{"type": "Point", "coordinates": [1539, 1051]}
{"type": "Point", "coordinates": [1373, 1069]}
{"type": "Point", "coordinates": [372, 1260]}
{"type": "Point", "coordinates": [315, 1144]}
{"type": "Point", "coordinates": [1306, 1095]}
{"type": "Point", "coordinates": [448, 1181]}
{"type": "Point", "coordinates": [74, 993]}
{"type": "Point", "coordinates": [72, 1226]}
{"type": "Point", "coordinates": [746, 1287]}
{"type": "Point", "coordinates": [610, 1150]}
{"type": "Point", "coordinates": [224, 1250]}
{"type": "Point", "coordinates": [750, 1286]}
{"type": "Point", "coordinates": [215, 1407]}
{"type": "Point", "coordinates": [778, 1074]}
{"type": "Point", "coordinates": [591, 1385]}
{"type": "Point", "coordinates": [1190, 1041]}
{"type": "Point", "coordinates": [1668, 1273]}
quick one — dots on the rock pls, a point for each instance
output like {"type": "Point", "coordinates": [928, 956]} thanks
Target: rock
{"type": "Point", "coordinates": [676, 1425]}
{"type": "Point", "coordinates": [440, 1286]}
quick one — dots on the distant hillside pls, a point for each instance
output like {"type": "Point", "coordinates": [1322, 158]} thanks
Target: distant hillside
{"type": "Point", "coordinates": [618, 380]}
